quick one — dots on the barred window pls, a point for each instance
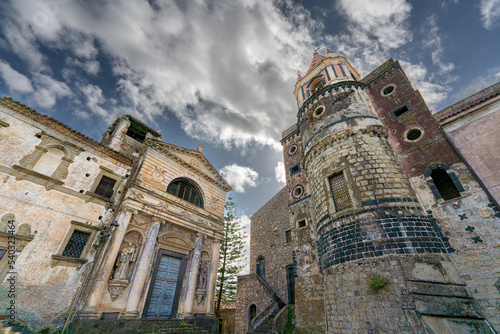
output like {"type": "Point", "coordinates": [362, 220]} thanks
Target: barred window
{"type": "Point", "coordinates": [76, 244]}
{"type": "Point", "coordinates": [105, 187]}
{"type": "Point", "coordinates": [340, 192]}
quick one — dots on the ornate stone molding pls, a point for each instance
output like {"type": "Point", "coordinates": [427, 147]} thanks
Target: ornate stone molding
{"type": "Point", "coordinates": [116, 286]}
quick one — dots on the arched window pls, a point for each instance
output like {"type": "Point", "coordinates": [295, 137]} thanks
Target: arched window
{"type": "Point", "coordinates": [184, 189]}
{"type": "Point", "coordinates": [318, 86]}
{"type": "Point", "coordinates": [252, 312]}
{"type": "Point", "coordinates": [444, 184]}
{"type": "Point", "coordinates": [261, 267]}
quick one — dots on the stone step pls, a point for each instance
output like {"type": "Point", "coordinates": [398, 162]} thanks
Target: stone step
{"type": "Point", "coordinates": [8, 330]}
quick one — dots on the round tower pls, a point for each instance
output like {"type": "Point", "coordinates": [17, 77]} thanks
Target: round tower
{"type": "Point", "coordinates": [373, 238]}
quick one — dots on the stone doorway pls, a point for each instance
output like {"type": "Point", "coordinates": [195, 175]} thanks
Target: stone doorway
{"type": "Point", "coordinates": [164, 291]}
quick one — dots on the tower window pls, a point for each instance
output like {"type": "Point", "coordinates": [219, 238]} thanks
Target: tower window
{"type": "Point", "coordinates": [297, 191]}
{"type": "Point", "coordinates": [288, 236]}
{"type": "Point", "coordinates": [317, 87]}
{"type": "Point", "coordinates": [401, 111]}
{"type": "Point", "coordinates": [414, 134]}
{"type": "Point", "coordinates": [261, 267]}
{"type": "Point", "coordinates": [105, 187]}
{"type": "Point", "coordinates": [319, 111]}
{"type": "Point", "coordinates": [185, 190]}
{"type": "Point", "coordinates": [136, 133]}
{"type": "Point", "coordinates": [295, 169]}
{"type": "Point", "coordinates": [444, 184]}
{"type": "Point", "coordinates": [292, 150]}
{"type": "Point", "coordinates": [301, 223]}
{"type": "Point", "coordinates": [387, 90]}
{"type": "Point", "coordinates": [340, 192]}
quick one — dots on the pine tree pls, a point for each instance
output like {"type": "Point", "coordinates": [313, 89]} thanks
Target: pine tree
{"type": "Point", "coordinates": [231, 255]}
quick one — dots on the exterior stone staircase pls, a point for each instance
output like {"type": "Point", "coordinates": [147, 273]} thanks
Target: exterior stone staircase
{"type": "Point", "coordinates": [266, 327]}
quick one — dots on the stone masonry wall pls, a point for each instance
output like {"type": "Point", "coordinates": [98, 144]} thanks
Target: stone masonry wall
{"type": "Point", "coordinates": [267, 239]}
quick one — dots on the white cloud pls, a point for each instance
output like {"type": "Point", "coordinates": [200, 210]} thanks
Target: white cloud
{"type": "Point", "coordinates": [239, 177]}
{"type": "Point", "coordinates": [434, 41]}
{"type": "Point", "coordinates": [279, 172]}
{"type": "Point", "coordinates": [490, 13]}
{"type": "Point", "coordinates": [374, 28]}
{"type": "Point", "coordinates": [419, 77]}
{"type": "Point", "coordinates": [15, 80]}
{"type": "Point", "coordinates": [218, 66]}
{"type": "Point", "coordinates": [48, 90]}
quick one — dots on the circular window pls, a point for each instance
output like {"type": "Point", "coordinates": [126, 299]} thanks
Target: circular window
{"type": "Point", "coordinates": [414, 134]}
{"type": "Point", "coordinates": [388, 90]}
{"type": "Point", "coordinates": [292, 150]}
{"type": "Point", "coordinates": [297, 191]}
{"type": "Point", "coordinates": [319, 111]}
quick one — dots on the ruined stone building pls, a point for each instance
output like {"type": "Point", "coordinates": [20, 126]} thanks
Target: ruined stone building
{"type": "Point", "coordinates": [379, 191]}
{"type": "Point", "coordinates": [128, 228]}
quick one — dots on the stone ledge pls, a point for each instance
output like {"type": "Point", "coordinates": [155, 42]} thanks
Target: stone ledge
{"type": "Point", "coordinates": [65, 261]}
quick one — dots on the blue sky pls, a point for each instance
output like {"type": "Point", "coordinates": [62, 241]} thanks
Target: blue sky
{"type": "Point", "coordinates": [221, 72]}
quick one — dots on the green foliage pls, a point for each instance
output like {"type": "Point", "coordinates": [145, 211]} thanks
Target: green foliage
{"type": "Point", "coordinates": [46, 330]}
{"type": "Point", "coordinates": [290, 326]}
{"type": "Point", "coordinates": [231, 254]}
{"type": "Point", "coordinates": [378, 282]}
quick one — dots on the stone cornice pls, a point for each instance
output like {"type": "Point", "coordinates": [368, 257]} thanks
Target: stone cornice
{"type": "Point", "coordinates": [61, 128]}
{"type": "Point", "coordinates": [167, 150]}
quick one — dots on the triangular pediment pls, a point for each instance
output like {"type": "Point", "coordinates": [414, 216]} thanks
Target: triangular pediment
{"type": "Point", "coordinates": [192, 159]}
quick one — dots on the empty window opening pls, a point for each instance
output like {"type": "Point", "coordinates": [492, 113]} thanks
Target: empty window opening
{"type": "Point", "coordinates": [295, 169]}
{"type": "Point", "coordinates": [388, 90]}
{"type": "Point", "coordinates": [292, 150]}
{"type": "Point", "coordinates": [185, 190]}
{"type": "Point", "coordinates": [414, 134]}
{"type": "Point", "coordinates": [401, 111]}
{"type": "Point", "coordinates": [301, 223]}
{"type": "Point", "coordinates": [340, 192]}
{"type": "Point", "coordinates": [76, 244]}
{"type": "Point", "coordinates": [317, 87]}
{"type": "Point", "coordinates": [288, 236]}
{"type": "Point", "coordinates": [261, 267]}
{"type": "Point", "coordinates": [297, 191]}
{"type": "Point", "coordinates": [444, 184]}
{"type": "Point", "coordinates": [105, 187]}
{"type": "Point", "coordinates": [319, 111]}
{"type": "Point", "coordinates": [136, 133]}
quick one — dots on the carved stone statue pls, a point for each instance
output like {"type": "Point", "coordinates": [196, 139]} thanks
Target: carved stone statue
{"type": "Point", "coordinates": [127, 255]}
{"type": "Point", "coordinates": [203, 276]}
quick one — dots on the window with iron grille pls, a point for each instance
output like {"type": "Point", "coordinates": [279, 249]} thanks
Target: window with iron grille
{"type": "Point", "coordinates": [183, 189]}
{"type": "Point", "coordinates": [76, 244]}
{"type": "Point", "coordinates": [105, 187]}
{"type": "Point", "coordinates": [288, 236]}
{"type": "Point", "coordinates": [340, 192]}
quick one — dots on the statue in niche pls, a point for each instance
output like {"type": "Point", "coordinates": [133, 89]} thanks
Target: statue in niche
{"type": "Point", "coordinates": [202, 276]}
{"type": "Point", "coordinates": [127, 256]}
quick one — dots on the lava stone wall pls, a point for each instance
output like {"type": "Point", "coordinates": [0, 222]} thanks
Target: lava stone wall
{"type": "Point", "coordinates": [470, 223]}
{"type": "Point", "coordinates": [267, 239]}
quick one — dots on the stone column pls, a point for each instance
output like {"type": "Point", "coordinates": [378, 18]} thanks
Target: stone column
{"type": "Point", "coordinates": [100, 280]}
{"type": "Point", "coordinates": [141, 272]}
{"type": "Point", "coordinates": [209, 307]}
{"type": "Point", "coordinates": [193, 275]}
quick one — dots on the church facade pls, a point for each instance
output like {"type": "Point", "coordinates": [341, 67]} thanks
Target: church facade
{"type": "Point", "coordinates": [123, 229]}
{"type": "Point", "coordinates": [389, 221]}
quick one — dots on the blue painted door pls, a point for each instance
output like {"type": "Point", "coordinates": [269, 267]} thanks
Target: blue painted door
{"type": "Point", "coordinates": [165, 285]}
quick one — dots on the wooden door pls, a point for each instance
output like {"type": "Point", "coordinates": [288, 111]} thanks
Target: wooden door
{"type": "Point", "coordinates": [165, 287]}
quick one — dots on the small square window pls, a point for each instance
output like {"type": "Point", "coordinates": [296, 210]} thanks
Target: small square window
{"type": "Point", "coordinates": [301, 223]}
{"type": "Point", "coordinates": [76, 244]}
{"type": "Point", "coordinates": [288, 236]}
{"type": "Point", "coordinates": [295, 169]}
{"type": "Point", "coordinates": [401, 111]}
{"type": "Point", "coordinates": [105, 187]}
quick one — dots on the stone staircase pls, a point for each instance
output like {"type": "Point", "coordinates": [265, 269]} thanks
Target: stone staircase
{"type": "Point", "coordinates": [266, 327]}
{"type": "Point", "coordinates": [177, 327]}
